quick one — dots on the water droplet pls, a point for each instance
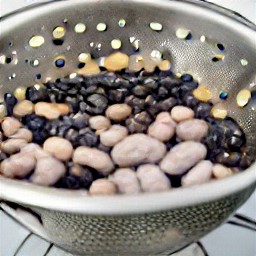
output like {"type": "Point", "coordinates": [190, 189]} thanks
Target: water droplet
{"type": "Point", "coordinates": [84, 57]}
{"type": "Point", "coordinates": [101, 27]}
{"type": "Point", "coordinates": [65, 21]}
{"type": "Point", "coordinates": [155, 54]}
{"type": "Point", "coordinates": [59, 32]}
{"type": "Point", "coordinates": [80, 28]}
{"type": "Point", "coordinates": [135, 43]}
{"type": "Point", "coordinates": [223, 95]}
{"type": "Point", "coordinates": [116, 44]}
{"type": "Point", "coordinates": [183, 34]}
{"type": "Point", "coordinates": [121, 23]}
{"type": "Point", "coordinates": [12, 76]}
{"type": "Point", "coordinates": [34, 63]}
{"type": "Point", "coordinates": [36, 41]}
{"type": "Point", "coordinates": [202, 39]}
{"type": "Point", "coordinates": [244, 62]}
{"type": "Point", "coordinates": [156, 26]}
{"type": "Point", "coordinates": [243, 97]}
{"type": "Point", "coordinates": [72, 75]}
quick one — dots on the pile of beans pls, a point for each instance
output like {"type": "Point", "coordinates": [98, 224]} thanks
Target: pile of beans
{"type": "Point", "coordinates": [119, 133]}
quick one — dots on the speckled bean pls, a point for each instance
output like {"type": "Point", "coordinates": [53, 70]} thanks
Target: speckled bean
{"type": "Point", "coordinates": [199, 174]}
{"type": "Point", "coordinates": [103, 187]}
{"type": "Point", "coordinates": [18, 165]}
{"type": "Point", "coordinates": [112, 136]}
{"type": "Point", "coordinates": [182, 113]}
{"type": "Point", "coordinates": [152, 179]}
{"type": "Point", "coordinates": [137, 149]}
{"type": "Point", "coordinates": [194, 129]}
{"type": "Point", "coordinates": [182, 157]}
{"type": "Point", "coordinates": [94, 158]}
{"type": "Point", "coordinates": [48, 171]}
{"type": "Point", "coordinates": [126, 181]}
{"type": "Point", "coordinates": [60, 148]}
{"type": "Point", "coordinates": [10, 126]}
{"type": "Point", "coordinates": [12, 146]}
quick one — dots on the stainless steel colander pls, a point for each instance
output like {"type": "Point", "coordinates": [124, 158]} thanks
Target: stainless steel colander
{"type": "Point", "coordinates": [220, 52]}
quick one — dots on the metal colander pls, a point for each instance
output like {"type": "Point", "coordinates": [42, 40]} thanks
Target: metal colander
{"type": "Point", "coordinates": [219, 50]}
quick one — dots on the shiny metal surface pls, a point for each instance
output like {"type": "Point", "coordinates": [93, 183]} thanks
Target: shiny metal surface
{"type": "Point", "coordinates": [147, 224]}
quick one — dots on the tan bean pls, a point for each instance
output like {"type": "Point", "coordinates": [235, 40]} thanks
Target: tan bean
{"type": "Point", "coordinates": [94, 158]}
{"type": "Point", "coordinates": [48, 171]}
{"type": "Point", "coordinates": [10, 125]}
{"type": "Point", "coordinates": [126, 181]}
{"type": "Point", "coordinates": [99, 122]}
{"type": "Point", "coordinates": [60, 148]}
{"type": "Point", "coordinates": [18, 165]}
{"type": "Point", "coordinates": [220, 171]}
{"type": "Point", "coordinates": [12, 146]}
{"type": "Point", "coordinates": [23, 133]}
{"type": "Point", "coordinates": [102, 187]}
{"type": "Point", "coordinates": [118, 112]}
{"type": "Point", "coordinates": [23, 108]}
{"type": "Point", "coordinates": [182, 113]}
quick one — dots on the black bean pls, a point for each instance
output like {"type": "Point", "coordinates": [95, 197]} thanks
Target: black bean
{"type": "Point", "coordinates": [34, 122]}
{"type": "Point", "coordinates": [10, 102]}
{"type": "Point", "coordinates": [230, 127]}
{"type": "Point", "coordinates": [73, 102]}
{"type": "Point", "coordinates": [175, 180]}
{"type": "Point", "coordinates": [69, 182]}
{"type": "Point", "coordinates": [107, 80]}
{"type": "Point", "coordinates": [135, 101]}
{"type": "Point", "coordinates": [131, 78]}
{"type": "Point", "coordinates": [87, 138]}
{"type": "Point", "coordinates": [141, 91]}
{"type": "Point", "coordinates": [121, 83]}
{"type": "Point", "coordinates": [143, 118]}
{"type": "Point", "coordinates": [72, 92]}
{"type": "Point", "coordinates": [39, 136]}
{"type": "Point", "coordinates": [228, 159]}
{"type": "Point", "coordinates": [235, 142]}
{"type": "Point", "coordinates": [104, 148]}
{"type": "Point", "coordinates": [246, 161]}
{"type": "Point", "coordinates": [135, 127]}
{"type": "Point", "coordinates": [62, 130]}
{"type": "Point", "coordinates": [168, 104]}
{"type": "Point", "coordinates": [154, 109]}
{"type": "Point", "coordinates": [190, 101]}
{"type": "Point", "coordinates": [149, 101]}
{"type": "Point", "coordinates": [37, 94]}
{"type": "Point", "coordinates": [80, 121]}
{"type": "Point", "coordinates": [162, 93]}
{"type": "Point", "coordinates": [203, 110]}
{"type": "Point", "coordinates": [97, 100]}
{"type": "Point", "coordinates": [89, 90]}
{"type": "Point", "coordinates": [150, 83]}
{"type": "Point", "coordinates": [52, 127]}
{"type": "Point", "coordinates": [117, 95]}
{"type": "Point", "coordinates": [57, 96]}
{"type": "Point", "coordinates": [169, 82]}
{"type": "Point", "coordinates": [186, 78]}
{"type": "Point", "coordinates": [73, 136]}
